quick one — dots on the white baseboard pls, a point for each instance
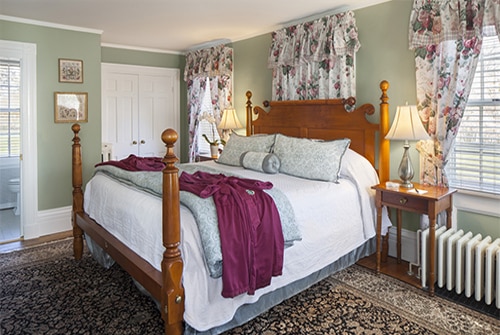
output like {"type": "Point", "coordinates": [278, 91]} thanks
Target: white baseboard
{"type": "Point", "coordinates": [408, 244]}
{"type": "Point", "coordinates": [48, 222]}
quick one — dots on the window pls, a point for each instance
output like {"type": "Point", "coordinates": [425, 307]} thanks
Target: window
{"type": "Point", "coordinates": [474, 162]}
{"type": "Point", "coordinates": [207, 125]}
{"type": "Point", "coordinates": [10, 112]}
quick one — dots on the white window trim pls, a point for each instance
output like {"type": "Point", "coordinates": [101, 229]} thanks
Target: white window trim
{"type": "Point", "coordinates": [477, 202]}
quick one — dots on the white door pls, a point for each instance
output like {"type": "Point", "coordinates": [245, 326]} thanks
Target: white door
{"type": "Point", "coordinates": [120, 113]}
{"type": "Point", "coordinates": [138, 103]}
{"type": "Point", "coordinates": [157, 112]}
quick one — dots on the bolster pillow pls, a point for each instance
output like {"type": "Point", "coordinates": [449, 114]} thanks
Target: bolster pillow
{"type": "Point", "coordinates": [260, 161]}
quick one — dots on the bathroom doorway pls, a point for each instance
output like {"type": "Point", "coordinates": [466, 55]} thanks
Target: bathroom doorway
{"type": "Point", "coordinates": [10, 149]}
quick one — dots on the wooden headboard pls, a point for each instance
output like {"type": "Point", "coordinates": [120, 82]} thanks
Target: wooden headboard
{"type": "Point", "coordinates": [327, 119]}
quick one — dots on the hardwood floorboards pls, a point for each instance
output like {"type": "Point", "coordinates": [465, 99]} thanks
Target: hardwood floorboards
{"type": "Point", "coordinates": [21, 244]}
{"type": "Point", "coordinates": [391, 268]}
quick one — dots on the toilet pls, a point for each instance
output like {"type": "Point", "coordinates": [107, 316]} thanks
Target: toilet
{"type": "Point", "coordinates": [14, 186]}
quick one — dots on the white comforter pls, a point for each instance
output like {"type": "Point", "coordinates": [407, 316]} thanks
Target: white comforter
{"type": "Point", "coordinates": [333, 218]}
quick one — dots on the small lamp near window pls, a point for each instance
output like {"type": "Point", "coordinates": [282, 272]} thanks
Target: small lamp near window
{"type": "Point", "coordinates": [229, 122]}
{"type": "Point", "coordinates": [407, 126]}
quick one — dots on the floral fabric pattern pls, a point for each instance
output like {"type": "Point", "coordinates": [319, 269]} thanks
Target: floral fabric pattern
{"type": "Point", "coordinates": [315, 60]}
{"type": "Point", "coordinates": [215, 63]}
{"type": "Point", "coordinates": [447, 38]}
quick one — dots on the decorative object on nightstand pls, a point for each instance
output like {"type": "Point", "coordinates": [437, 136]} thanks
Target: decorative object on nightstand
{"type": "Point", "coordinates": [229, 122]}
{"type": "Point", "coordinates": [407, 126]}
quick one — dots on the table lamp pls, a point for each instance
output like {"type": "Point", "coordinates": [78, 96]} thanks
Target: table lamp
{"type": "Point", "coordinates": [407, 126]}
{"type": "Point", "coordinates": [229, 122]}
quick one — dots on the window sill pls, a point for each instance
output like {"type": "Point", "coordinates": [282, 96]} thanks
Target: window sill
{"type": "Point", "coordinates": [477, 202]}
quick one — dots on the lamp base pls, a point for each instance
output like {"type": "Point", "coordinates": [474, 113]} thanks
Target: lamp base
{"type": "Point", "coordinates": [406, 169]}
{"type": "Point", "coordinates": [406, 184]}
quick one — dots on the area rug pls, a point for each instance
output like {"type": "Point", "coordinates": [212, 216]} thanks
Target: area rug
{"type": "Point", "coordinates": [43, 290]}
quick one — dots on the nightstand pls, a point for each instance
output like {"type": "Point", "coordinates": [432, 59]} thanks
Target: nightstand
{"type": "Point", "coordinates": [422, 199]}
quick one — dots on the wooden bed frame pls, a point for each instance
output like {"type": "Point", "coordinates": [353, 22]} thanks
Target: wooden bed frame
{"type": "Point", "coordinates": [319, 119]}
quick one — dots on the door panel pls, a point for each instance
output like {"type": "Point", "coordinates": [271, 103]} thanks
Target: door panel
{"type": "Point", "coordinates": [120, 112]}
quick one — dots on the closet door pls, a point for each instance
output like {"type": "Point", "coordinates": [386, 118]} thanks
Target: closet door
{"type": "Point", "coordinates": [138, 104]}
{"type": "Point", "coordinates": [120, 113]}
{"type": "Point", "coordinates": [157, 112]}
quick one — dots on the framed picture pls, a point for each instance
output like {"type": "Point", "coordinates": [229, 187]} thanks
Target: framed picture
{"type": "Point", "coordinates": [70, 71]}
{"type": "Point", "coordinates": [70, 107]}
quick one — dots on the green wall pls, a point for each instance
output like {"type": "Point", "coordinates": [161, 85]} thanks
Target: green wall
{"type": "Point", "coordinates": [54, 139]}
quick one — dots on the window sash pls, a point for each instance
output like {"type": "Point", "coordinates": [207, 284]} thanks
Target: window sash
{"type": "Point", "coordinates": [474, 162]}
{"type": "Point", "coordinates": [10, 111]}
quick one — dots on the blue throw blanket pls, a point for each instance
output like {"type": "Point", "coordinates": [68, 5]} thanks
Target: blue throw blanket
{"type": "Point", "coordinates": [204, 210]}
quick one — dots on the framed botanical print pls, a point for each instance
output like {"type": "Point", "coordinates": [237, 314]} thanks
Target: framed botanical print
{"type": "Point", "coordinates": [70, 106]}
{"type": "Point", "coordinates": [70, 71]}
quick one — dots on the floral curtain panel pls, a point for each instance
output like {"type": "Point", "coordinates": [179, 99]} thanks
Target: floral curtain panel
{"type": "Point", "coordinates": [315, 60]}
{"type": "Point", "coordinates": [446, 36]}
{"type": "Point", "coordinates": [215, 63]}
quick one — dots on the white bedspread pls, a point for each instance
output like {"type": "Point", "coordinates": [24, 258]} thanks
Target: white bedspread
{"type": "Point", "coordinates": [333, 218]}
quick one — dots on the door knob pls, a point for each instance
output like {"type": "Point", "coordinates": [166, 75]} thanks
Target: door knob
{"type": "Point", "coordinates": [143, 142]}
{"type": "Point", "coordinates": [134, 142]}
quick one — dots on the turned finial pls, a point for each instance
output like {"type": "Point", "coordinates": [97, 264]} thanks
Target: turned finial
{"type": "Point", "coordinates": [169, 136]}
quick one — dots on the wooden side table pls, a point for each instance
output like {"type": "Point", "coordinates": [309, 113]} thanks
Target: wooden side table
{"type": "Point", "coordinates": [422, 199]}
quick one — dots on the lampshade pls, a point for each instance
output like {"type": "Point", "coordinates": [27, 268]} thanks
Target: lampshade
{"type": "Point", "coordinates": [407, 125]}
{"type": "Point", "coordinates": [229, 120]}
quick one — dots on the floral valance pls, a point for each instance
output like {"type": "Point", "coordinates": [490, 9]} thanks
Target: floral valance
{"type": "Point", "coordinates": [316, 41]}
{"type": "Point", "coordinates": [209, 62]}
{"type": "Point", "coordinates": [435, 21]}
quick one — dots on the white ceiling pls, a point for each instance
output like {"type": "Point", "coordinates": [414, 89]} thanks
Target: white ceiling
{"type": "Point", "coordinates": [175, 25]}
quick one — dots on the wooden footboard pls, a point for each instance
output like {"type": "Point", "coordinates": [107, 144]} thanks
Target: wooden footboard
{"type": "Point", "coordinates": [164, 286]}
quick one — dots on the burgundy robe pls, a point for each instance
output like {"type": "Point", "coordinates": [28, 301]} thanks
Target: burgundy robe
{"type": "Point", "coordinates": [251, 237]}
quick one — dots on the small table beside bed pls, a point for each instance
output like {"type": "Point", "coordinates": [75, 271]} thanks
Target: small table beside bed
{"type": "Point", "coordinates": [326, 166]}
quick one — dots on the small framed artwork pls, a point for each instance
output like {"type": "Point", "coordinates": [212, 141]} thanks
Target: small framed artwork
{"type": "Point", "coordinates": [70, 71]}
{"type": "Point", "coordinates": [70, 106]}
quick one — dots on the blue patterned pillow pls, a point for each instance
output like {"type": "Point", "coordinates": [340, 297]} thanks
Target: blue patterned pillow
{"type": "Point", "coordinates": [310, 159]}
{"type": "Point", "coordinates": [237, 145]}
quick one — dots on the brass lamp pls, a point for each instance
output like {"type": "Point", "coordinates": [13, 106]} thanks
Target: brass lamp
{"type": "Point", "coordinates": [407, 126]}
{"type": "Point", "coordinates": [229, 122]}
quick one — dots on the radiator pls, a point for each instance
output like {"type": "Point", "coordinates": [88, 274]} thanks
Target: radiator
{"type": "Point", "coordinates": [466, 263]}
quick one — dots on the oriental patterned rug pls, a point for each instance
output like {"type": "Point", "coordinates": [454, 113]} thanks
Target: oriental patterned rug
{"type": "Point", "coordinates": [44, 291]}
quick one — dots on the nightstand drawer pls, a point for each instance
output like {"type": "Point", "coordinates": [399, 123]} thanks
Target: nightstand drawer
{"type": "Point", "coordinates": [404, 201]}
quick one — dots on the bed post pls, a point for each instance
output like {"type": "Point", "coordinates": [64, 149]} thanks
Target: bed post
{"type": "Point", "coordinates": [172, 295]}
{"type": "Point", "coordinates": [384, 147]}
{"type": "Point", "coordinates": [249, 113]}
{"type": "Point", "coordinates": [77, 192]}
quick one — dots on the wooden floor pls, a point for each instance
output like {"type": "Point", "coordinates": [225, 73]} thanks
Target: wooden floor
{"type": "Point", "coordinates": [392, 268]}
{"type": "Point", "coordinates": [20, 244]}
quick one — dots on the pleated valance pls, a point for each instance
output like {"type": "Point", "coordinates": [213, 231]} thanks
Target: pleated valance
{"type": "Point", "coordinates": [435, 21]}
{"type": "Point", "coordinates": [315, 41]}
{"type": "Point", "coordinates": [209, 62]}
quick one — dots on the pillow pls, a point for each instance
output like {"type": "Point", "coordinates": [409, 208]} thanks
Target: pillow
{"type": "Point", "coordinates": [310, 159]}
{"type": "Point", "coordinates": [260, 161]}
{"type": "Point", "coordinates": [237, 145]}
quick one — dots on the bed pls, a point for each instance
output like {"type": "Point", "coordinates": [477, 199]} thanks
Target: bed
{"type": "Point", "coordinates": [166, 257]}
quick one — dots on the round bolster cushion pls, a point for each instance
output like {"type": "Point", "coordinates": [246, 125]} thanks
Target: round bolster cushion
{"type": "Point", "coordinates": [260, 161]}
